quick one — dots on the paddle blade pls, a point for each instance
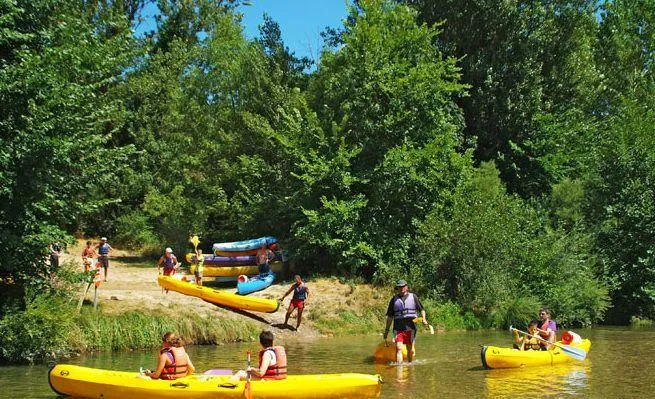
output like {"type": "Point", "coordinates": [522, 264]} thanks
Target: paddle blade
{"type": "Point", "coordinates": [431, 330]}
{"type": "Point", "coordinates": [195, 241]}
{"type": "Point", "coordinates": [576, 353]}
{"type": "Point", "coordinates": [247, 392]}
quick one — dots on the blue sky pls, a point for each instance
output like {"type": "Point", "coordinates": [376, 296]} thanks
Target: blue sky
{"type": "Point", "coordinates": [301, 21]}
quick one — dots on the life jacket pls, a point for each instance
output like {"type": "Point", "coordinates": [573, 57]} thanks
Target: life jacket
{"type": "Point", "coordinates": [531, 344]}
{"type": "Point", "coordinates": [103, 249]}
{"type": "Point", "coordinates": [174, 370]}
{"type": "Point", "coordinates": [278, 371]}
{"type": "Point", "coordinates": [299, 292]}
{"type": "Point", "coordinates": [169, 263]}
{"type": "Point", "coordinates": [405, 308]}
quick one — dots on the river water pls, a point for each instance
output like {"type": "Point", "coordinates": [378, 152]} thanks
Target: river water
{"type": "Point", "coordinates": [620, 364]}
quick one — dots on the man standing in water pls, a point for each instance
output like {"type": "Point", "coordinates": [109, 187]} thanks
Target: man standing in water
{"type": "Point", "coordinates": [402, 310]}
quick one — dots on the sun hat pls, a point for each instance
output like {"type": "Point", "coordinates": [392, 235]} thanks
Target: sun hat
{"type": "Point", "coordinates": [169, 250]}
{"type": "Point", "coordinates": [103, 239]}
{"type": "Point", "coordinates": [401, 283]}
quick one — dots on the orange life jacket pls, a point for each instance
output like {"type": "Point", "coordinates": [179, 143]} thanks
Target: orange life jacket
{"type": "Point", "coordinates": [174, 370]}
{"type": "Point", "coordinates": [278, 371]}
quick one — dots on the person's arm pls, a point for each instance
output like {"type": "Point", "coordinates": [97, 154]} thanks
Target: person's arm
{"type": "Point", "coordinates": [190, 369]}
{"type": "Point", "coordinates": [306, 301]}
{"type": "Point", "coordinates": [386, 327]}
{"type": "Point", "coordinates": [160, 367]}
{"type": "Point", "coordinates": [288, 292]}
{"type": "Point", "coordinates": [420, 306]}
{"type": "Point", "coordinates": [159, 263]}
{"type": "Point", "coordinates": [266, 361]}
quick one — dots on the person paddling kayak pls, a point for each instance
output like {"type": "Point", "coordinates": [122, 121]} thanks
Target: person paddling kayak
{"type": "Point", "coordinates": [402, 310]}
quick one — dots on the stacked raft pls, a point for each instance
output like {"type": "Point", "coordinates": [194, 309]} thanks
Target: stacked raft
{"type": "Point", "coordinates": [232, 259]}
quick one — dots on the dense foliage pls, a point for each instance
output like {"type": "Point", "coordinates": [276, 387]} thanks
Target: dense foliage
{"type": "Point", "coordinates": [499, 153]}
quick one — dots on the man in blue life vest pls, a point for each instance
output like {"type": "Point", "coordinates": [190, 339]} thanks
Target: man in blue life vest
{"type": "Point", "coordinates": [402, 310]}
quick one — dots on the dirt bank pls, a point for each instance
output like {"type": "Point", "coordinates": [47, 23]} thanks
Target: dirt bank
{"type": "Point", "coordinates": [132, 285]}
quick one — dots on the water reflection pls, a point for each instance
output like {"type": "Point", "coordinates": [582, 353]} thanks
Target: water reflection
{"type": "Point", "coordinates": [448, 366]}
{"type": "Point", "coordinates": [558, 380]}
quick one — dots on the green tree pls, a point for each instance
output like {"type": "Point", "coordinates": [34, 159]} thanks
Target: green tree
{"type": "Point", "coordinates": [387, 98]}
{"type": "Point", "coordinates": [59, 67]}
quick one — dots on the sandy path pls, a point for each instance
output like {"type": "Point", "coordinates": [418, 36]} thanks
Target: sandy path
{"type": "Point", "coordinates": [132, 285]}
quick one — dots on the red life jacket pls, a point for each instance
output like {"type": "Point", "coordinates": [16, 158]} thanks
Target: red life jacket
{"type": "Point", "coordinates": [279, 370]}
{"type": "Point", "coordinates": [174, 370]}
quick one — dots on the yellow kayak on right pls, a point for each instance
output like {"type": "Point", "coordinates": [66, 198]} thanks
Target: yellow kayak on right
{"type": "Point", "coordinates": [494, 357]}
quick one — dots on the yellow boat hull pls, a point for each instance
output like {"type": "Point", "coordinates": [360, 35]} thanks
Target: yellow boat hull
{"type": "Point", "coordinates": [235, 271]}
{"type": "Point", "coordinates": [220, 298]}
{"type": "Point", "coordinates": [84, 382]}
{"type": "Point", "coordinates": [387, 353]}
{"type": "Point", "coordinates": [494, 357]}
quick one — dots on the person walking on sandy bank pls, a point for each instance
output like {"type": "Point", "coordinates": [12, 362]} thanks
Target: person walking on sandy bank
{"type": "Point", "coordinates": [402, 310]}
{"type": "Point", "coordinates": [104, 249]}
{"type": "Point", "coordinates": [299, 301]}
{"type": "Point", "coordinates": [87, 256]}
{"type": "Point", "coordinates": [200, 263]}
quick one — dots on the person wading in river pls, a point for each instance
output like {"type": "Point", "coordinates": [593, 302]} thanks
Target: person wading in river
{"type": "Point", "coordinates": [402, 310]}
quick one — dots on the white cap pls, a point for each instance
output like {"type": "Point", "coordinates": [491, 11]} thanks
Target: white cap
{"type": "Point", "coordinates": [103, 239]}
{"type": "Point", "coordinates": [169, 250]}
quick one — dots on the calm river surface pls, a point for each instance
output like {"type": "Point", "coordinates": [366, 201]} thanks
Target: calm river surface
{"type": "Point", "coordinates": [621, 364]}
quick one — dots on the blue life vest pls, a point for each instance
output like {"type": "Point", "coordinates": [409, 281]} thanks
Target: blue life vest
{"type": "Point", "coordinates": [103, 249]}
{"type": "Point", "coordinates": [169, 263]}
{"type": "Point", "coordinates": [405, 309]}
{"type": "Point", "coordinates": [299, 292]}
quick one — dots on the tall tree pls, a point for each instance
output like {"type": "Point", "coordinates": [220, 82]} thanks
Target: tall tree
{"type": "Point", "coordinates": [56, 122]}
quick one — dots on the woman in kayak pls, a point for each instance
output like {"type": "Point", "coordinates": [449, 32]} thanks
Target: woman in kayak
{"type": "Point", "coordinates": [173, 360]}
{"type": "Point", "coordinates": [547, 328]}
{"type": "Point", "coordinates": [272, 361]}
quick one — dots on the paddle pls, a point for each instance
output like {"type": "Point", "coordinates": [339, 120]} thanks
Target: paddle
{"type": "Point", "coordinates": [247, 392]}
{"type": "Point", "coordinates": [576, 353]}
{"type": "Point", "coordinates": [420, 319]}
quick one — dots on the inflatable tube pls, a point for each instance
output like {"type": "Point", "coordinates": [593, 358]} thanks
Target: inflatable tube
{"type": "Point", "coordinates": [255, 284]}
{"type": "Point", "coordinates": [219, 297]}
{"type": "Point", "coordinates": [246, 245]}
{"type": "Point", "coordinates": [85, 382]}
{"type": "Point", "coordinates": [387, 353]}
{"type": "Point", "coordinates": [236, 271]}
{"type": "Point", "coordinates": [494, 357]}
{"type": "Point", "coordinates": [212, 260]}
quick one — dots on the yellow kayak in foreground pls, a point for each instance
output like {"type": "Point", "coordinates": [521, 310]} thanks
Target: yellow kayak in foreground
{"type": "Point", "coordinates": [85, 382]}
{"type": "Point", "coordinates": [217, 297]}
{"type": "Point", "coordinates": [494, 357]}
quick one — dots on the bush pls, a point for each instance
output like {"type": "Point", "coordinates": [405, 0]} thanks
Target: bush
{"type": "Point", "coordinates": [39, 332]}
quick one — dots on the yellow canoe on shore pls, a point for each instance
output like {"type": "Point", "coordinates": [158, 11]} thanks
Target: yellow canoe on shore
{"type": "Point", "coordinates": [217, 297]}
{"type": "Point", "coordinates": [235, 271]}
{"type": "Point", "coordinates": [494, 357]}
{"type": "Point", "coordinates": [85, 382]}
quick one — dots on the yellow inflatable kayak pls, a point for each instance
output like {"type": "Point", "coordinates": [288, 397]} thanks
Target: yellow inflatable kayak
{"type": "Point", "coordinates": [235, 271]}
{"type": "Point", "coordinates": [494, 357]}
{"type": "Point", "coordinates": [387, 353]}
{"type": "Point", "coordinates": [84, 382]}
{"type": "Point", "coordinates": [217, 297]}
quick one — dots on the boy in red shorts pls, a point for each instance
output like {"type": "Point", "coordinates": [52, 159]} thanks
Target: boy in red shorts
{"type": "Point", "coordinates": [299, 300]}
